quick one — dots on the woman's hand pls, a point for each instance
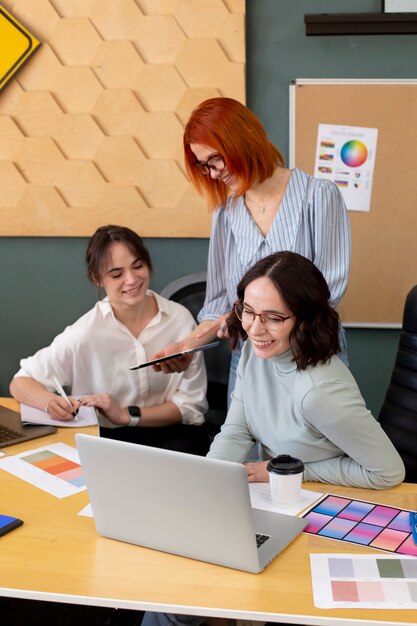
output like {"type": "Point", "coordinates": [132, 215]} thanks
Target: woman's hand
{"type": "Point", "coordinates": [59, 409]}
{"type": "Point", "coordinates": [108, 407]}
{"type": "Point", "coordinates": [179, 364]}
{"type": "Point", "coordinates": [206, 332]}
{"type": "Point", "coordinates": [257, 472]}
{"type": "Point", "coordinates": [222, 326]}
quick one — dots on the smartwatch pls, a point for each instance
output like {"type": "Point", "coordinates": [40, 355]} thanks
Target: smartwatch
{"type": "Point", "coordinates": [134, 415]}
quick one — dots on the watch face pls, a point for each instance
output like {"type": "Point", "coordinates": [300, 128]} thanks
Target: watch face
{"type": "Point", "coordinates": [134, 411]}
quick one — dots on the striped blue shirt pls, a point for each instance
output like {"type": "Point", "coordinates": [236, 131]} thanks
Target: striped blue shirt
{"type": "Point", "coordinates": [312, 220]}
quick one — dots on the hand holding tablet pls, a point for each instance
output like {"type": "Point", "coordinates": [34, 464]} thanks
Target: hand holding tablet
{"type": "Point", "coordinates": [177, 355]}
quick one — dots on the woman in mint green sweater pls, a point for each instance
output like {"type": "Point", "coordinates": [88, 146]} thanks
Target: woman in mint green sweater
{"type": "Point", "coordinates": [293, 394]}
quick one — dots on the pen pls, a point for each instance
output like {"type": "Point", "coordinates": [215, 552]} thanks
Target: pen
{"type": "Point", "coordinates": [62, 393]}
{"type": "Point", "coordinates": [413, 524]}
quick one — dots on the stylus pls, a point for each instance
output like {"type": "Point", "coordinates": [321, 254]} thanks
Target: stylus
{"type": "Point", "coordinates": [62, 393]}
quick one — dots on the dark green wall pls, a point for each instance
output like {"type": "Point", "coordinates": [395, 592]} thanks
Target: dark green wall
{"type": "Point", "coordinates": [43, 286]}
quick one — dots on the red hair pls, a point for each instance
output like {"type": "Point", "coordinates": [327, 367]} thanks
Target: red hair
{"type": "Point", "coordinates": [232, 130]}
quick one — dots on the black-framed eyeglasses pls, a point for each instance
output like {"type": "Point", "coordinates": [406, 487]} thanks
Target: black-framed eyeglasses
{"type": "Point", "coordinates": [215, 163]}
{"type": "Point", "coordinates": [270, 321]}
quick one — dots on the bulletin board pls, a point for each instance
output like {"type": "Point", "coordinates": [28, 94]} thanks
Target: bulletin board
{"type": "Point", "coordinates": [384, 240]}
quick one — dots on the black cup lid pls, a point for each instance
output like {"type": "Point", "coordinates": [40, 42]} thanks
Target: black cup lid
{"type": "Point", "coordinates": [285, 464]}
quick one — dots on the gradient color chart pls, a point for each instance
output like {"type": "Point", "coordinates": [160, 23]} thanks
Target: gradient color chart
{"type": "Point", "coordinates": [364, 581]}
{"type": "Point", "coordinates": [57, 466]}
{"type": "Point", "coordinates": [363, 523]}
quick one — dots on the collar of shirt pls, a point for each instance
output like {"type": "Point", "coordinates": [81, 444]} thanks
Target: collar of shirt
{"type": "Point", "coordinates": [163, 307]}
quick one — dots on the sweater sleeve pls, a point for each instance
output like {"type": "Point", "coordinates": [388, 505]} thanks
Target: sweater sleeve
{"type": "Point", "coordinates": [234, 441]}
{"type": "Point", "coordinates": [338, 412]}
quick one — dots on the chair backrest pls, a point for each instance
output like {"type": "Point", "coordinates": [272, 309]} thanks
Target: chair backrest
{"type": "Point", "coordinates": [398, 415]}
{"type": "Point", "coordinates": [190, 291]}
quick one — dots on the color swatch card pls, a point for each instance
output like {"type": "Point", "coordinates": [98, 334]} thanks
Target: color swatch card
{"type": "Point", "coordinates": [364, 581]}
{"type": "Point", "coordinates": [55, 468]}
{"type": "Point", "coordinates": [346, 156]}
{"type": "Point", "coordinates": [364, 523]}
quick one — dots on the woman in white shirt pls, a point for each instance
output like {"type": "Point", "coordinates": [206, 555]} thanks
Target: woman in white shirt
{"type": "Point", "coordinates": [92, 357]}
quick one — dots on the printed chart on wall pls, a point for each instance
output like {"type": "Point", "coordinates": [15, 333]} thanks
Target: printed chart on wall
{"type": "Point", "coordinates": [346, 156]}
{"type": "Point", "coordinates": [55, 469]}
{"type": "Point", "coordinates": [363, 523]}
{"type": "Point", "coordinates": [364, 581]}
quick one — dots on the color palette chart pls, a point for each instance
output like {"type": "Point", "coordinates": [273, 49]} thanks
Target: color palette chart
{"type": "Point", "coordinates": [345, 155]}
{"type": "Point", "coordinates": [364, 523]}
{"type": "Point", "coordinates": [364, 581]}
{"type": "Point", "coordinates": [58, 466]}
{"type": "Point", "coordinates": [55, 468]}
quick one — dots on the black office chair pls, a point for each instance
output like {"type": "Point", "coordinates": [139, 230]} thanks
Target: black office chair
{"type": "Point", "coordinates": [190, 291]}
{"type": "Point", "coordinates": [398, 415]}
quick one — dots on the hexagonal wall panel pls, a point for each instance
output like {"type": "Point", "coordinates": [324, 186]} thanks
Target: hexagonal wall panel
{"type": "Point", "coordinates": [75, 41]}
{"type": "Point", "coordinates": [91, 127]}
{"type": "Point", "coordinates": [117, 64]}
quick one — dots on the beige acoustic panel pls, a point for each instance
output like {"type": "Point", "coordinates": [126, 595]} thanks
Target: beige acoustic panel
{"type": "Point", "coordinates": [91, 128]}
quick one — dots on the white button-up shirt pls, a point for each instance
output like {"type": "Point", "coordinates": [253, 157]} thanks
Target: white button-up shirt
{"type": "Point", "coordinates": [94, 356]}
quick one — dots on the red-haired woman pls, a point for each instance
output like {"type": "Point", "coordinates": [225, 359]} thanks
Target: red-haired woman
{"type": "Point", "coordinates": [260, 207]}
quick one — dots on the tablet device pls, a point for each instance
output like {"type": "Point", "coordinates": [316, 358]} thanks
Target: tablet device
{"type": "Point", "coordinates": [176, 355]}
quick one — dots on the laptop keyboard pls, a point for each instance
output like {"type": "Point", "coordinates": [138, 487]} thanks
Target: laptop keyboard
{"type": "Point", "coordinates": [260, 539]}
{"type": "Point", "coordinates": [8, 434]}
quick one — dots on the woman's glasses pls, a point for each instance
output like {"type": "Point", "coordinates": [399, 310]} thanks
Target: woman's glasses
{"type": "Point", "coordinates": [215, 163]}
{"type": "Point", "coordinates": [270, 321]}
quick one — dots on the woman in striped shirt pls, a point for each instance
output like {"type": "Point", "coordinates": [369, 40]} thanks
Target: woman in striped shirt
{"type": "Point", "coordinates": [260, 207]}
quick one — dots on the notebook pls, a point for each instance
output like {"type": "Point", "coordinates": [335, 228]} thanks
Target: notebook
{"type": "Point", "coordinates": [87, 416]}
{"type": "Point", "coordinates": [13, 431]}
{"type": "Point", "coordinates": [180, 503]}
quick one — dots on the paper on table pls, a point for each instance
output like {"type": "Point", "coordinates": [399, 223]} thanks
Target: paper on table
{"type": "Point", "coordinates": [261, 499]}
{"type": "Point", "coordinates": [87, 511]}
{"type": "Point", "coordinates": [364, 581]}
{"type": "Point", "coordinates": [87, 416]}
{"type": "Point", "coordinates": [55, 468]}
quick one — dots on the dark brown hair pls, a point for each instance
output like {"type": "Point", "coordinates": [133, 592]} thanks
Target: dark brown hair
{"type": "Point", "coordinates": [314, 338]}
{"type": "Point", "coordinates": [98, 249]}
{"type": "Point", "coordinates": [236, 133]}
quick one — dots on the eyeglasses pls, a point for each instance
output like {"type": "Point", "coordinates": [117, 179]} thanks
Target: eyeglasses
{"type": "Point", "coordinates": [215, 163]}
{"type": "Point", "coordinates": [270, 321]}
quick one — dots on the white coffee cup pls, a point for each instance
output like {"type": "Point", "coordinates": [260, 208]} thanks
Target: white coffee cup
{"type": "Point", "coordinates": [285, 477]}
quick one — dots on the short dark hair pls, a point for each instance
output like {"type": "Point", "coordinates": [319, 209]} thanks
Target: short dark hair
{"type": "Point", "coordinates": [98, 249]}
{"type": "Point", "coordinates": [315, 336]}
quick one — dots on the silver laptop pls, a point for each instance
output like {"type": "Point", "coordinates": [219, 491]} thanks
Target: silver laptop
{"type": "Point", "coordinates": [13, 431]}
{"type": "Point", "coordinates": [180, 503]}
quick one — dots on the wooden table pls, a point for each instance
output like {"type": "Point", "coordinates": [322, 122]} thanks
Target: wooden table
{"type": "Point", "coordinates": [58, 556]}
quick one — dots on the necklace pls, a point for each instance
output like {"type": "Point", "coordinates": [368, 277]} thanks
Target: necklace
{"type": "Point", "coordinates": [260, 206]}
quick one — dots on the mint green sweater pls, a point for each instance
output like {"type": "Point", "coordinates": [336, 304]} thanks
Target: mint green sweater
{"type": "Point", "coordinates": [317, 415]}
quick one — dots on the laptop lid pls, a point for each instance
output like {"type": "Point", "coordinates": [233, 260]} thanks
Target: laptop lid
{"type": "Point", "coordinates": [180, 503]}
{"type": "Point", "coordinates": [13, 431]}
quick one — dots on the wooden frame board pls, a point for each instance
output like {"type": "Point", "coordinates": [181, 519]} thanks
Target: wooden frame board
{"type": "Point", "coordinates": [384, 250]}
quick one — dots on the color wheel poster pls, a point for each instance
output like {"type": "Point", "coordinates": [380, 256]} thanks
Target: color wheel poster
{"type": "Point", "coordinates": [346, 156]}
